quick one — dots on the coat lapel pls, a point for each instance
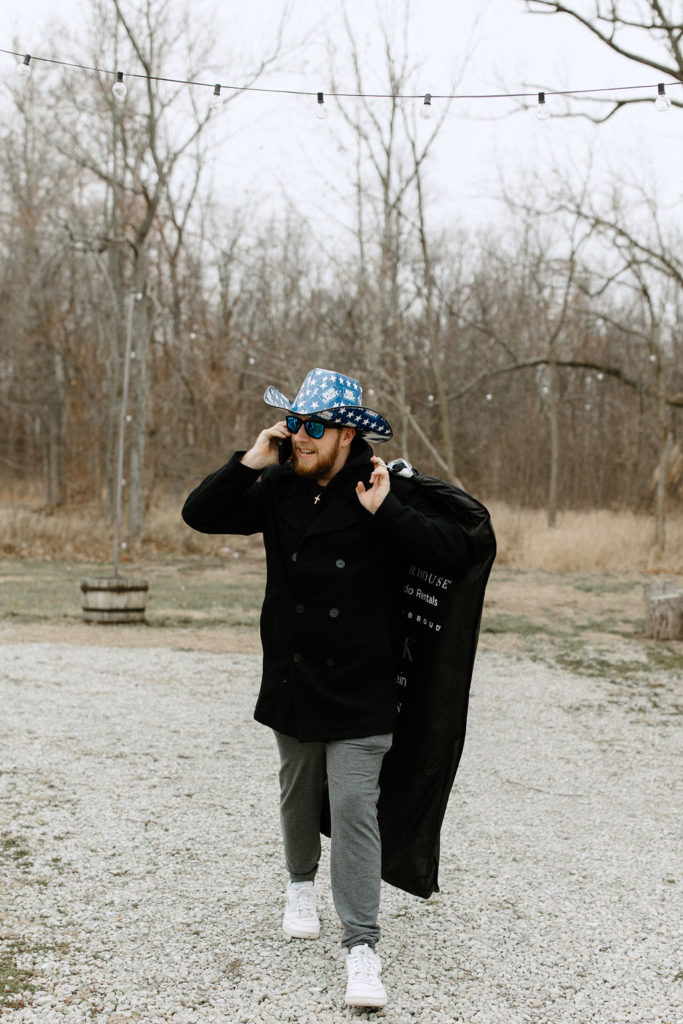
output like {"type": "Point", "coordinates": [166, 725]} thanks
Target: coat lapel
{"type": "Point", "coordinates": [339, 507]}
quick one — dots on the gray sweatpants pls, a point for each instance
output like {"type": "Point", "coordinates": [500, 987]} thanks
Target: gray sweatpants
{"type": "Point", "coordinates": [352, 768]}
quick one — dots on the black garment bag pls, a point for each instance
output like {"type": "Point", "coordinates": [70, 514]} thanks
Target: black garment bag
{"type": "Point", "coordinates": [441, 613]}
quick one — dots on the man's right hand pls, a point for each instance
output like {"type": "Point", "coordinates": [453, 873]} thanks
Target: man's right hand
{"type": "Point", "coordinates": [264, 452]}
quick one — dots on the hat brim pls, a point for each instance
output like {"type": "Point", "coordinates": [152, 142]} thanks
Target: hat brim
{"type": "Point", "coordinates": [367, 422]}
{"type": "Point", "coordinates": [277, 400]}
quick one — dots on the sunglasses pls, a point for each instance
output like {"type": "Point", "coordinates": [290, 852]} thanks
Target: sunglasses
{"type": "Point", "coordinates": [314, 428]}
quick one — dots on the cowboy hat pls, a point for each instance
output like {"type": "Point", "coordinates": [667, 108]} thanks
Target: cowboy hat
{"type": "Point", "coordinates": [333, 398]}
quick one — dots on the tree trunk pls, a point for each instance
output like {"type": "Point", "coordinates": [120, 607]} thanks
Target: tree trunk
{"type": "Point", "coordinates": [554, 424]}
{"type": "Point", "coordinates": [54, 439]}
{"type": "Point", "coordinates": [138, 411]}
{"type": "Point", "coordinates": [666, 444]}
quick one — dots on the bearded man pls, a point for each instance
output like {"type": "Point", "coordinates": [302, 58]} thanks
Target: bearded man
{"type": "Point", "coordinates": [336, 527]}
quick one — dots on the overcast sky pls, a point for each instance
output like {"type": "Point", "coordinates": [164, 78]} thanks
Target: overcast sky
{"type": "Point", "coordinates": [474, 45]}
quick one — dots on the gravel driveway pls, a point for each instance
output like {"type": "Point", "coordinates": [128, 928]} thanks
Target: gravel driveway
{"type": "Point", "coordinates": [141, 876]}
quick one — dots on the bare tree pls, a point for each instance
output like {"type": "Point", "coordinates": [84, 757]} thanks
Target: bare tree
{"type": "Point", "coordinates": [147, 160]}
{"type": "Point", "coordinates": [38, 306]}
{"type": "Point", "coordinates": [642, 272]}
{"type": "Point", "coordinates": [629, 29]}
{"type": "Point", "coordinates": [394, 280]}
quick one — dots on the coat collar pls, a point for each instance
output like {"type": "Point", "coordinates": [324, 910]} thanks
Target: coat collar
{"type": "Point", "coordinates": [339, 506]}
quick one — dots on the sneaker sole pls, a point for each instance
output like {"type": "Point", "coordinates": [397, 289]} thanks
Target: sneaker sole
{"type": "Point", "coordinates": [290, 933]}
{"type": "Point", "coordinates": [377, 1001]}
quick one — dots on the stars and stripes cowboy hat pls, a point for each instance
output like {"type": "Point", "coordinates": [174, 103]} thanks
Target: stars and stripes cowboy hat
{"type": "Point", "coordinates": [333, 398]}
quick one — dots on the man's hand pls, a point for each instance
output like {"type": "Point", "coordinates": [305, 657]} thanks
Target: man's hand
{"type": "Point", "coordinates": [372, 498]}
{"type": "Point", "coordinates": [264, 452]}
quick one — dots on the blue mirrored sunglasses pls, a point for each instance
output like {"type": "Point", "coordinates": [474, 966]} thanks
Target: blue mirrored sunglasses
{"type": "Point", "coordinates": [314, 428]}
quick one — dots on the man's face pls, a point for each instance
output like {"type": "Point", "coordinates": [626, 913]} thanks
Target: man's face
{"type": "Point", "coordinates": [320, 458]}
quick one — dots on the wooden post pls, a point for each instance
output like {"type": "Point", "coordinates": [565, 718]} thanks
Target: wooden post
{"type": "Point", "coordinates": [664, 610]}
{"type": "Point", "coordinates": [122, 433]}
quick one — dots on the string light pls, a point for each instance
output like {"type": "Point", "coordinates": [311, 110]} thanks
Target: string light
{"type": "Point", "coordinates": [24, 69]}
{"type": "Point", "coordinates": [662, 103]}
{"type": "Point", "coordinates": [321, 110]}
{"type": "Point", "coordinates": [216, 99]}
{"type": "Point", "coordinates": [542, 112]}
{"type": "Point", "coordinates": [426, 111]}
{"type": "Point", "coordinates": [119, 89]}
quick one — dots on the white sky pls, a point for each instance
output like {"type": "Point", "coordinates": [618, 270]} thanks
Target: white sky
{"type": "Point", "coordinates": [279, 143]}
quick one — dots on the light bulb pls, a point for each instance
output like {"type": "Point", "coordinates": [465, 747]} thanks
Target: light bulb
{"type": "Point", "coordinates": [119, 89]}
{"type": "Point", "coordinates": [24, 69]}
{"type": "Point", "coordinates": [216, 99]}
{"type": "Point", "coordinates": [662, 103]}
{"type": "Point", "coordinates": [321, 110]}
{"type": "Point", "coordinates": [542, 112]}
{"type": "Point", "coordinates": [426, 111]}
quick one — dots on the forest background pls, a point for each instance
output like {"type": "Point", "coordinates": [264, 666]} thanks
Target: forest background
{"type": "Point", "coordinates": [536, 357]}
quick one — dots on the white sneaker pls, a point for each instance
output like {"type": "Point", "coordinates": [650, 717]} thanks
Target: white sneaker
{"type": "Point", "coordinates": [364, 988]}
{"type": "Point", "coordinates": [300, 919]}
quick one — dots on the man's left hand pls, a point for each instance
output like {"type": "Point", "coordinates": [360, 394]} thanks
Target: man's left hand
{"type": "Point", "coordinates": [372, 497]}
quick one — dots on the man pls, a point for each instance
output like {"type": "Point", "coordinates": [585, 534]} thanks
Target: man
{"type": "Point", "coordinates": [336, 528]}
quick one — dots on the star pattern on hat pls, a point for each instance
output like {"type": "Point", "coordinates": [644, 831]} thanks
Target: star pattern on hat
{"type": "Point", "coordinates": [335, 398]}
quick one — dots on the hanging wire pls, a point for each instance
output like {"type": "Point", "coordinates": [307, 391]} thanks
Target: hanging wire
{"type": "Point", "coordinates": [348, 95]}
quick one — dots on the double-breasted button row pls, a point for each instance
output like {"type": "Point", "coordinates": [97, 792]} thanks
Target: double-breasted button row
{"type": "Point", "coordinates": [297, 659]}
{"type": "Point", "coordinates": [340, 563]}
{"type": "Point", "coordinates": [333, 612]}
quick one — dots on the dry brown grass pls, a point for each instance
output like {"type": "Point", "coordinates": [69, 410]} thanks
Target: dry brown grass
{"type": "Point", "coordinates": [600, 541]}
{"type": "Point", "coordinates": [82, 534]}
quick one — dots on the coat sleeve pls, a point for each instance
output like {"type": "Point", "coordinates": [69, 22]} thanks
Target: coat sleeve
{"type": "Point", "coordinates": [430, 532]}
{"type": "Point", "coordinates": [227, 501]}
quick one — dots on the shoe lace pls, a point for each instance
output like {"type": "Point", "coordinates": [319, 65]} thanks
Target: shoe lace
{"type": "Point", "coordinates": [305, 901]}
{"type": "Point", "coordinates": [364, 964]}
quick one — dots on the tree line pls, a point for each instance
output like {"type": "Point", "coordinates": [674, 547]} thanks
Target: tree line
{"type": "Point", "coordinates": [538, 361]}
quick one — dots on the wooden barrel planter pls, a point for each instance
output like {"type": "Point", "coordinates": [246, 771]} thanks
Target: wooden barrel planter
{"type": "Point", "coordinates": [113, 599]}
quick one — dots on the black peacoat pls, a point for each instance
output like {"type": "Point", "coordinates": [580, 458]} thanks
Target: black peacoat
{"type": "Point", "coordinates": [331, 622]}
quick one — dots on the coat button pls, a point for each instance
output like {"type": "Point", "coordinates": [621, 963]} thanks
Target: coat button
{"type": "Point", "coordinates": [334, 613]}
{"type": "Point", "coordinates": [295, 556]}
{"type": "Point", "coordinates": [298, 609]}
{"type": "Point", "coordinates": [296, 658]}
{"type": "Point", "coordinates": [340, 563]}
{"type": "Point", "coordinates": [330, 662]}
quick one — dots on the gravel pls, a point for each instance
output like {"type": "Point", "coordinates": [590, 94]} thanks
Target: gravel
{"type": "Point", "coordinates": [141, 875]}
